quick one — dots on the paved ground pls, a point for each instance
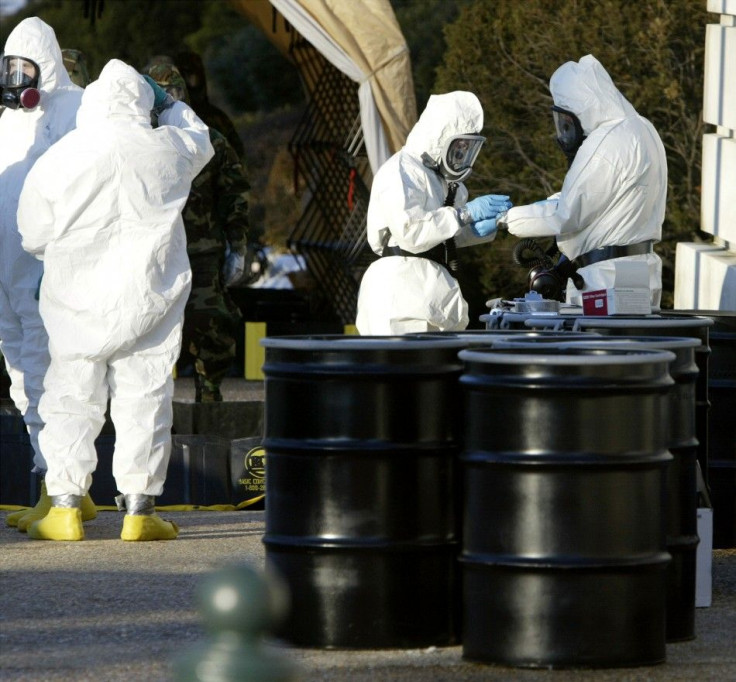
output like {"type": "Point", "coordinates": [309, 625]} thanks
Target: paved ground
{"type": "Point", "coordinates": [232, 389]}
{"type": "Point", "coordinates": [106, 611]}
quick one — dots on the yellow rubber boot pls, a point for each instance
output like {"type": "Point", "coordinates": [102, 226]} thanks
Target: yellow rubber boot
{"type": "Point", "coordinates": [89, 511]}
{"type": "Point", "coordinates": [33, 514]}
{"type": "Point", "coordinates": [142, 528]}
{"type": "Point", "coordinates": [61, 523]}
{"type": "Point", "coordinates": [88, 508]}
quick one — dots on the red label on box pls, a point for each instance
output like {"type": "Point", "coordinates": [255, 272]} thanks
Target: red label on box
{"type": "Point", "coordinates": [595, 302]}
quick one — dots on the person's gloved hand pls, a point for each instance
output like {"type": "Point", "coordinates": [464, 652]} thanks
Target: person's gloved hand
{"type": "Point", "coordinates": [162, 100]}
{"type": "Point", "coordinates": [159, 94]}
{"type": "Point", "coordinates": [482, 228]}
{"type": "Point", "coordinates": [234, 268]}
{"type": "Point", "coordinates": [487, 206]}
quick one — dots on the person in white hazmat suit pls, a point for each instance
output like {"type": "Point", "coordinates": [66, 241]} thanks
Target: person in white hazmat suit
{"type": "Point", "coordinates": [417, 214]}
{"type": "Point", "coordinates": [612, 203]}
{"type": "Point", "coordinates": [102, 208]}
{"type": "Point", "coordinates": [41, 106]}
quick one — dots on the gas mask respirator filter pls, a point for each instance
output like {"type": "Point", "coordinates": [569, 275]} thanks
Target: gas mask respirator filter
{"type": "Point", "coordinates": [19, 82]}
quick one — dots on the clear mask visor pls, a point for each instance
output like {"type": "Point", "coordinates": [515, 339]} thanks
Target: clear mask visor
{"type": "Point", "coordinates": [17, 72]}
{"type": "Point", "coordinates": [567, 126]}
{"type": "Point", "coordinates": [462, 151]}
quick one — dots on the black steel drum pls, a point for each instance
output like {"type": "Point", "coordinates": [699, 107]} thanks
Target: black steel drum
{"type": "Point", "coordinates": [672, 323]}
{"type": "Point", "coordinates": [681, 486]}
{"type": "Point", "coordinates": [722, 424]}
{"type": "Point", "coordinates": [722, 430]}
{"type": "Point", "coordinates": [564, 464]}
{"type": "Point", "coordinates": [362, 437]}
{"type": "Point", "coordinates": [693, 326]}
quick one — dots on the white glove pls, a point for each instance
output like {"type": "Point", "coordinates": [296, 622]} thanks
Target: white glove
{"type": "Point", "coordinates": [234, 268]}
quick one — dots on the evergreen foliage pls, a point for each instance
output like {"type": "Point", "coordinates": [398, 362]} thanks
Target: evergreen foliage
{"type": "Point", "coordinates": [422, 23]}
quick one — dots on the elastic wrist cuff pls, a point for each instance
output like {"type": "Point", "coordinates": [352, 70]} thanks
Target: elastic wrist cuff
{"type": "Point", "coordinates": [463, 215]}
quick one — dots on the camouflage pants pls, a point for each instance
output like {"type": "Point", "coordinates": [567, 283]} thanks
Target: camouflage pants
{"type": "Point", "coordinates": [210, 319]}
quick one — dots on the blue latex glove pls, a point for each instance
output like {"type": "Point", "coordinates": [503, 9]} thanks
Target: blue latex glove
{"type": "Point", "coordinates": [483, 228]}
{"type": "Point", "coordinates": [487, 206]}
{"type": "Point", "coordinates": [159, 94]}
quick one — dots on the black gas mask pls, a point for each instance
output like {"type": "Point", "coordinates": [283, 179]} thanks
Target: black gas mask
{"type": "Point", "coordinates": [569, 132]}
{"type": "Point", "coordinates": [19, 82]}
{"type": "Point", "coordinates": [546, 277]}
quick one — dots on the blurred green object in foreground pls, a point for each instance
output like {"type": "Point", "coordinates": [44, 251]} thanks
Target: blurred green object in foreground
{"type": "Point", "coordinates": [239, 605]}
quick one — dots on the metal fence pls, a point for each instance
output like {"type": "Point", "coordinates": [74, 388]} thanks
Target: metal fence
{"type": "Point", "coordinates": [331, 167]}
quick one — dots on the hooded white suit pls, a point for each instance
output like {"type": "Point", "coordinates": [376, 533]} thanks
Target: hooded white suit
{"type": "Point", "coordinates": [24, 136]}
{"type": "Point", "coordinates": [404, 294]}
{"type": "Point", "coordinates": [103, 209]}
{"type": "Point", "coordinates": [614, 192]}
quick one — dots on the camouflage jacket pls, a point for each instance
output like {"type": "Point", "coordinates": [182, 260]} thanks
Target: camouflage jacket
{"type": "Point", "coordinates": [218, 119]}
{"type": "Point", "coordinates": [217, 208]}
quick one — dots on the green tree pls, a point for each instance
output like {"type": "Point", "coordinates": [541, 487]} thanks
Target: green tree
{"type": "Point", "coordinates": [422, 22]}
{"type": "Point", "coordinates": [505, 51]}
{"type": "Point", "coordinates": [242, 62]}
{"type": "Point", "coordinates": [130, 30]}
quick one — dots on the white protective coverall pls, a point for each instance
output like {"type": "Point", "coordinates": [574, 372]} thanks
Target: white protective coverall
{"type": "Point", "coordinates": [102, 208]}
{"type": "Point", "coordinates": [405, 294]}
{"type": "Point", "coordinates": [614, 192]}
{"type": "Point", "coordinates": [24, 136]}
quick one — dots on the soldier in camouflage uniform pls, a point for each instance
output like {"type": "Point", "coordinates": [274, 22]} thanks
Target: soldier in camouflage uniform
{"type": "Point", "coordinates": [215, 219]}
{"type": "Point", "coordinates": [190, 66]}
{"type": "Point", "coordinates": [76, 66]}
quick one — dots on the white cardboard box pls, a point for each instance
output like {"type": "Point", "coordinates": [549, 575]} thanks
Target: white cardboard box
{"type": "Point", "coordinates": [629, 295]}
{"type": "Point", "coordinates": [704, 558]}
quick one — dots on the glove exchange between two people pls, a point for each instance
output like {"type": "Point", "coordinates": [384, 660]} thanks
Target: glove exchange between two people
{"type": "Point", "coordinates": [483, 213]}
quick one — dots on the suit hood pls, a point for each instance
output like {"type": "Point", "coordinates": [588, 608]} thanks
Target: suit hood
{"type": "Point", "coordinates": [453, 113]}
{"type": "Point", "coordinates": [585, 89]}
{"type": "Point", "coordinates": [36, 40]}
{"type": "Point", "coordinates": [119, 93]}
